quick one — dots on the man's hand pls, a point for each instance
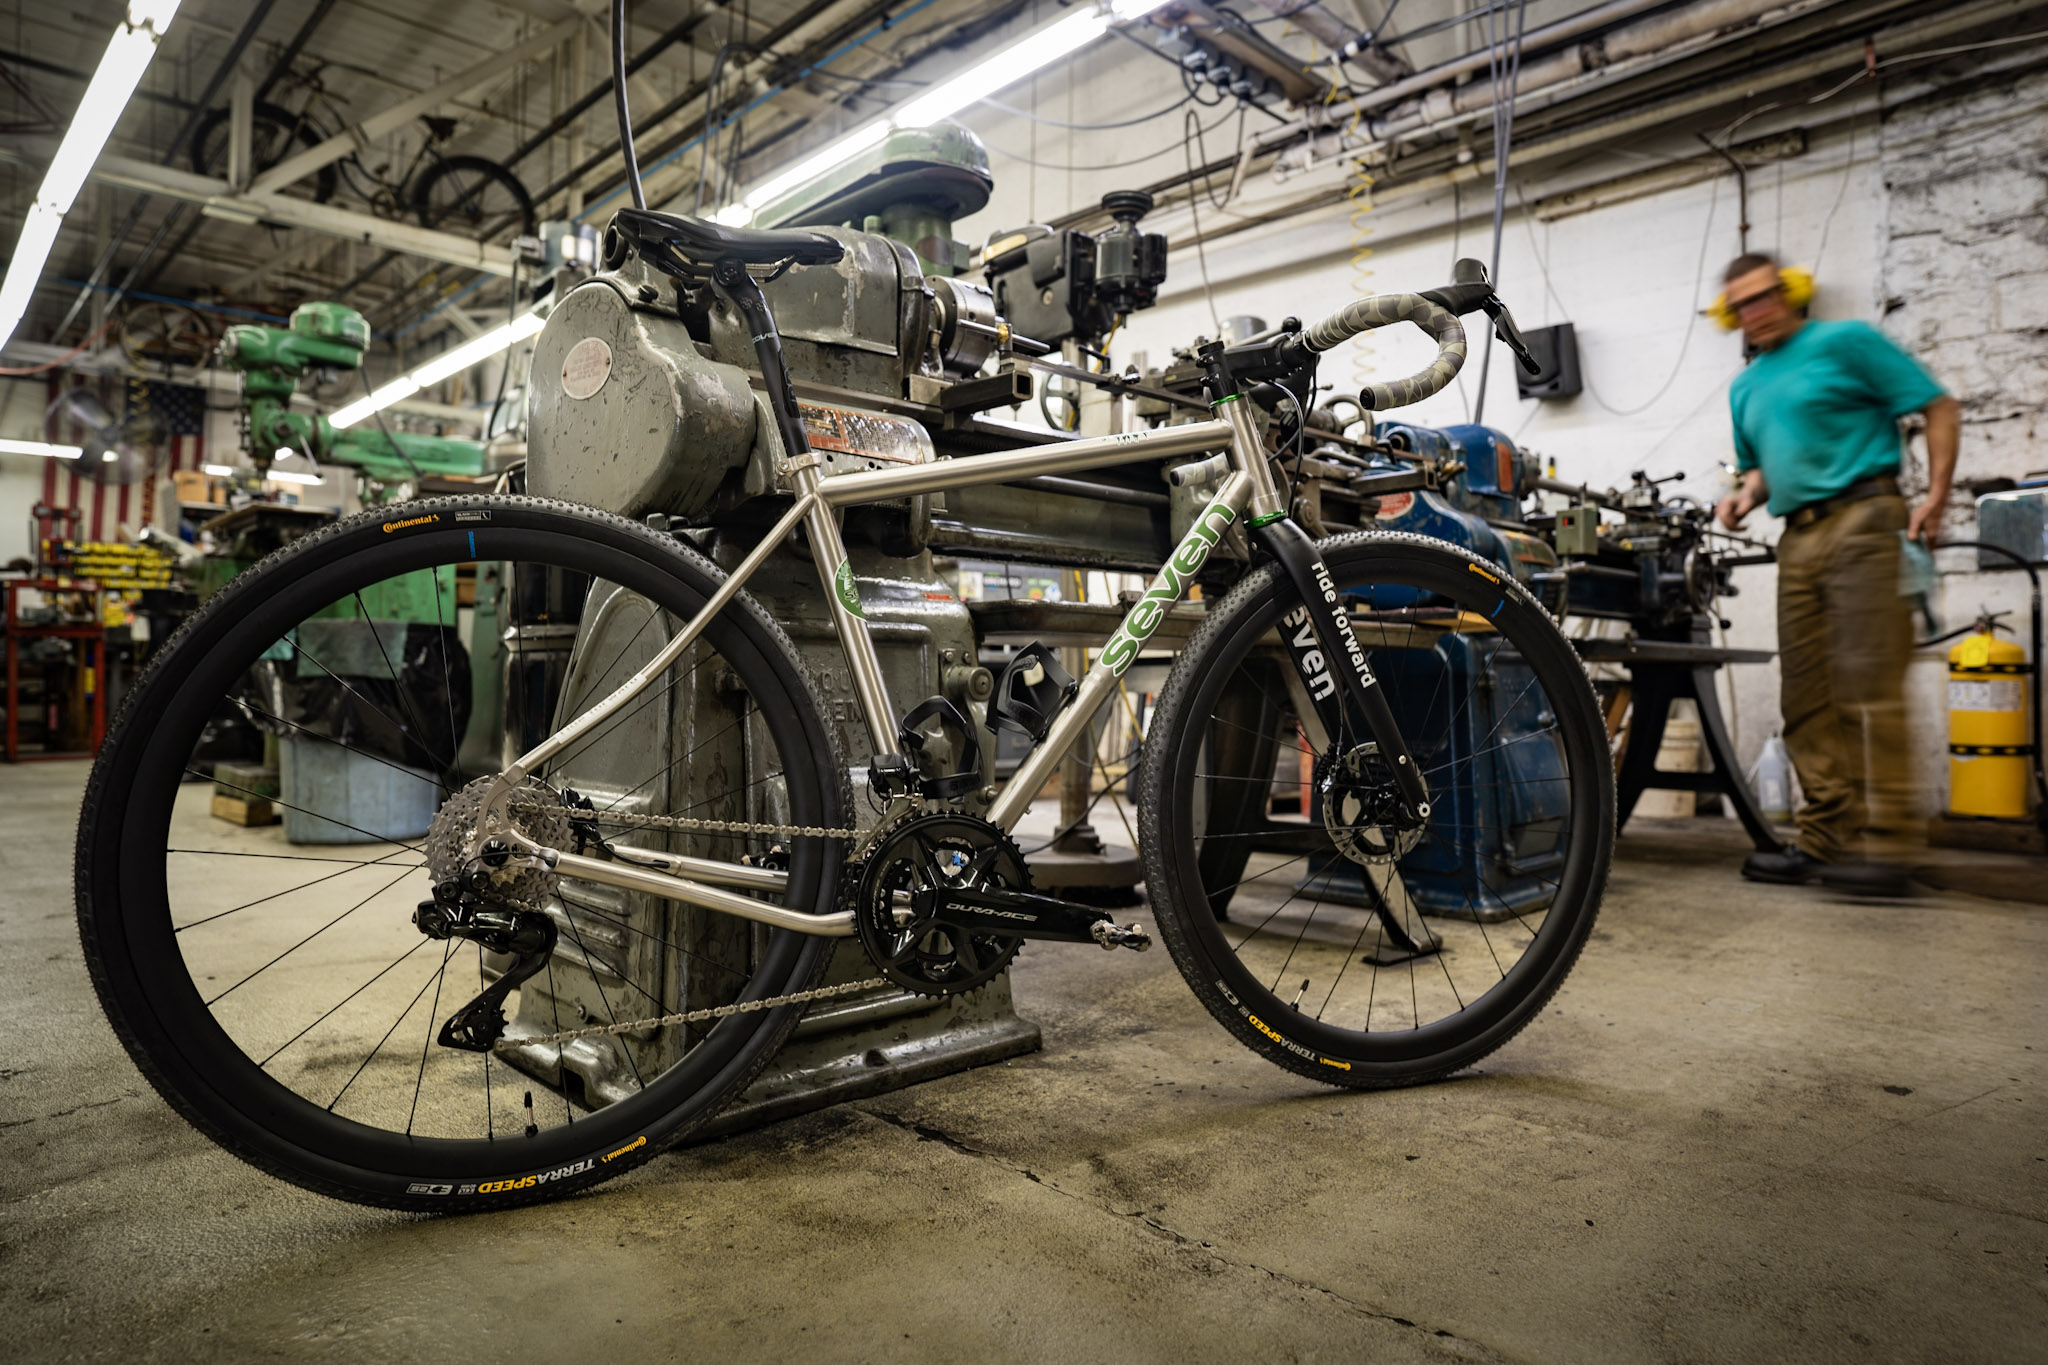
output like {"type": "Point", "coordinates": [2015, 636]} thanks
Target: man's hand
{"type": "Point", "coordinates": [1731, 510]}
{"type": "Point", "coordinates": [1925, 523]}
{"type": "Point", "coordinates": [1944, 435]}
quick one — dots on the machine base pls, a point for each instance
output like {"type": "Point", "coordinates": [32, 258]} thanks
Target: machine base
{"type": "Point", "coordinates": [878, 1041]}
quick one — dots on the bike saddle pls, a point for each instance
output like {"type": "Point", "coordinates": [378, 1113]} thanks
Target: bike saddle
{"type": "Point", "coordinates": [703, 243]}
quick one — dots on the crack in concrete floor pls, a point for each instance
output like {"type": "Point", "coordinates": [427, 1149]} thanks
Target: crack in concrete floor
{"type": "Point", "coordinates": [926, 1132]}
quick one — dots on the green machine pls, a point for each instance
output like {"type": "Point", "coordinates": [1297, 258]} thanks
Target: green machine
{"type": "Point", "coordinates": [390, 794]}
{"type": "Point", "coordinates": [327, 337]}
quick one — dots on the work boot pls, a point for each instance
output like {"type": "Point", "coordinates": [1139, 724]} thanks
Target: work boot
{"type": "Point", "coordinates": [1867, 879]}
{"type": "Point", "coordinates": [1790, 865]}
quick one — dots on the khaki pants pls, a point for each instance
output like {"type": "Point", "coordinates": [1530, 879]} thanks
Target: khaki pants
{"type": "Point", "coordinates": [1844, 635]}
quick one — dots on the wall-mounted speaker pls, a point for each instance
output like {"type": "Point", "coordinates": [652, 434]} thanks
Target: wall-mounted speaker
{"type": "Point", "coordinates": [1557, 359]}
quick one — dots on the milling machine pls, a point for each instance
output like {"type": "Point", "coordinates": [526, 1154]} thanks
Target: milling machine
{"type": "Point", "coordinates": [326, 339]}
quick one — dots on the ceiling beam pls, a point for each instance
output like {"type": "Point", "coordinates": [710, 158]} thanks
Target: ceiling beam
{"type": "Point", "coordinates": [217, 199]}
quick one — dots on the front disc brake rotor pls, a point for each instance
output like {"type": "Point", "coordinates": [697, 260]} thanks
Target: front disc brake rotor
{"type": "Point", "coordinates": [1362, 807]}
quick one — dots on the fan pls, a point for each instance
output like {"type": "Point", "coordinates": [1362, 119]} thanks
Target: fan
{"type": "Point", "coordinates": [115, 452]}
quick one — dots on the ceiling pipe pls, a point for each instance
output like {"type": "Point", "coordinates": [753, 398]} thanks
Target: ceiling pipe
{"type": "Point", "coordinates": [176, 250]}
{"type": "Point", "coordinates": [1831, 60]}
{"type": "Point", "coordinates": [1535, 40]}
{"type": "Point", "coordinates": [578, 107]}
{"type": "Point", "coordinates": [1623, 51]}
{"type": "Point", "coordinates": [1340, 37]}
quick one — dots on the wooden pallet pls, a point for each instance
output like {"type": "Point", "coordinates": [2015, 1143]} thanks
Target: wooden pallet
{"type": "Point", "coordinates": [237, 810]}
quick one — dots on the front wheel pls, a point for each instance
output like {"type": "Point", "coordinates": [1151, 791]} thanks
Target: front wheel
{"type": "Point", "coordinates": [1327, 931]}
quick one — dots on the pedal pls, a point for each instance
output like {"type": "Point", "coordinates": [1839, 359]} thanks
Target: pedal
{"type": "Point", "coordinates": [1031, 691]}
{"type": "Point", "coordinates": [1112, 935]}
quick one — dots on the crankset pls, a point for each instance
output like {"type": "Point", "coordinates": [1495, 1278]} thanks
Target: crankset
{"type": "Point", "coordinates": [944, 902]}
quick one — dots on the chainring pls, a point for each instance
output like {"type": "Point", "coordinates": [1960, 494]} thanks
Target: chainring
{"type": "Point", "coordinates": [896, 903]}
{"type": "Point", "coordinates": [1362, 807]}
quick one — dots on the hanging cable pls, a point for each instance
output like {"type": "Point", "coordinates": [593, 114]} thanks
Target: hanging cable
{"type": "Point", "coordinates": [619, 105]}
{"type": "Point", "coordinates": [1189, 129]}
{"type": "Point", "coordinates": [1504, 70]}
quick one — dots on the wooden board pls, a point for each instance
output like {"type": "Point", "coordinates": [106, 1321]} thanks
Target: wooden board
{"type": "Point", "coordinates": [238, 810]}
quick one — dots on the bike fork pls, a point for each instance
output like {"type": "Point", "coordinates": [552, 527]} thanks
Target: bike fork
{"type": "Point", "coordinates": [1331, 663]}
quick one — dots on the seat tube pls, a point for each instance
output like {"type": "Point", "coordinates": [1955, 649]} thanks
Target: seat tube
{"type": "Point", "coordinates": [842, 593]}
{"type": "Point", "coordinates": [821, 527]}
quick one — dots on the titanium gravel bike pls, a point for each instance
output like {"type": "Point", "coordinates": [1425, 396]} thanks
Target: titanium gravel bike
{"type": "Point", "coordinates": [405, 1008]}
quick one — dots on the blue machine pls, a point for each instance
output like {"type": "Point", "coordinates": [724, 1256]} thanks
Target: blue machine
{"type": "Point", "coordinates": [1467, 703]}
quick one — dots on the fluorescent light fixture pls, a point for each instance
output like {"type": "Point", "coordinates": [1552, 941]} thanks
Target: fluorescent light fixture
{"type": "Point", "coordinates": [819, 162]}
{"type": "Point", "coordinates": [377, 401]}
{"type": "Point", "coordinates": [310, 475]}
{"type": "Point", "coordinates": [477, 351]}
{"type": "Point", "coordinates": [120, 70]}
{"type": "Point", "coordinates": [218, 471]}
{"type": "Point", "coordinates": [1032, 53]}
{"type": "Point", "coordinates": [470, 353]}
{"type": "Point", "coordinates": [43, 448]}
{"type": "Point", "coordinates": [992, 74]}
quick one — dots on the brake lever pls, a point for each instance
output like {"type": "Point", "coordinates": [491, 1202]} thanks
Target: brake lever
{"type": "Point", "coordinates": [1504, 328]}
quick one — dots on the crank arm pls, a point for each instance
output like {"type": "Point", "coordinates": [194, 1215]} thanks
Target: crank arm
{"type": "Point", "coordinates": [1020, 914]}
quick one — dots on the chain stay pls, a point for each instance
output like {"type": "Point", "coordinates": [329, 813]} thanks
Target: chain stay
{"type": "Point", "coordinates": [684, 822]}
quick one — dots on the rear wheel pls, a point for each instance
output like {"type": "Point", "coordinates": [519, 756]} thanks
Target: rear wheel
{"type": "Point", "coordinates": [269, 979]}
{"type": "Point", "coordinates": [1324, 932]}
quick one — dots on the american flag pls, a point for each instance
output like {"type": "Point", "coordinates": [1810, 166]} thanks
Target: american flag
{"type": "Point", "coordinates": [103, 510]}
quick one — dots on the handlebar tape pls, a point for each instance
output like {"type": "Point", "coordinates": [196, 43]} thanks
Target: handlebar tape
{"type": "Point", "coordinates": [1384, 310]}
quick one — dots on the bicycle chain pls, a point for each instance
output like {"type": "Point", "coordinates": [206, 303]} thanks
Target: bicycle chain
{"type": "Point", "coordinates": [690, 824]}
{"type": "Point", "coordinates": [704, 1015]}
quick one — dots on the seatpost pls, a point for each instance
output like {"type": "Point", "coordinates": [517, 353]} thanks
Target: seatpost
{"type": "Point", "coordinates": [736, 284]}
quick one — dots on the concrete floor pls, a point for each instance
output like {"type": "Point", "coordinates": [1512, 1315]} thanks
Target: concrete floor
{"type": "Point", "coordinates": [1758, 1123]}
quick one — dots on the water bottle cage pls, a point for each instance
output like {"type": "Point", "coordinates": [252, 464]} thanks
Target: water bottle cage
{"type": "Point", "coordinates": [1031, 692]}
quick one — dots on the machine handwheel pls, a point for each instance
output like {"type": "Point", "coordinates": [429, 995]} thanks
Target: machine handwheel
{"type": "Point", "coordinates": [1384, 954]}
{"type": "Point", "coordinates": [292, 988]}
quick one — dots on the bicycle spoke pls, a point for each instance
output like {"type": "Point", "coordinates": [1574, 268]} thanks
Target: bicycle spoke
{"type": "Point", "coordinates": [403, 874]}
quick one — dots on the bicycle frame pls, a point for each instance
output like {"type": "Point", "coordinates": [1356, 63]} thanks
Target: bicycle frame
{"type": "Point", "coordinates": [701, 881]}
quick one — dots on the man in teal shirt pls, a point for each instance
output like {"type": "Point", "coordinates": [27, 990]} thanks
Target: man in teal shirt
{"type": "Point", "coordinates": [1816, 433]}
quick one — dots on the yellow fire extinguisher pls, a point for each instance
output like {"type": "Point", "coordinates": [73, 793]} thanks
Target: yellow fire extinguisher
{"type": "Point", "coordinates": [1988, 753]}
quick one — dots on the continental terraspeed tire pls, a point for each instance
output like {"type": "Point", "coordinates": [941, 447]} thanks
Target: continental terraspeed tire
{"type": "Point", "coordinates": [1304, 953]}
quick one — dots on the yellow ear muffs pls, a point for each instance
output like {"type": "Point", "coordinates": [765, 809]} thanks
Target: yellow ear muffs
{"type": "Point", "coordinates": [1795, 280]}
{"type": "Point", "coordinates": [1798, 281]}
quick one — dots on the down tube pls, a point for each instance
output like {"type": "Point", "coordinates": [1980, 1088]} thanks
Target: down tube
{"type": "Point", "coordinates": [1122, 649]}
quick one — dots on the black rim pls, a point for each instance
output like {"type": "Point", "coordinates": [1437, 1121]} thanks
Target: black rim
{"type": "Point", "coordinates": [1299, 959]}
{"type": "Point", "coordinates": [219, 1077]}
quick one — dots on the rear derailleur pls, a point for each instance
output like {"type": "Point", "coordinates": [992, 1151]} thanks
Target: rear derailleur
{"type": "Point", "coordinates": [457, 911]}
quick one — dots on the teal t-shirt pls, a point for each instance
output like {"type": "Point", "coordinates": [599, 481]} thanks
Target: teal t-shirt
{"type": "Point", "coordinates": [1822, 411]}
